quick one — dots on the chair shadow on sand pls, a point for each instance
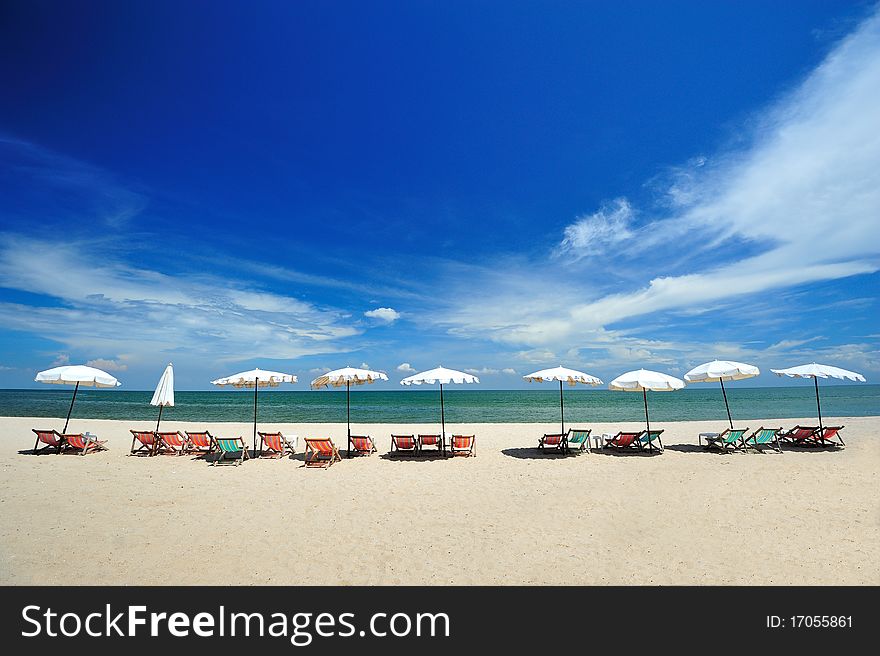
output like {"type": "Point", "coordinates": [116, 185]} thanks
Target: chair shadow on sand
{"type": "Point", "coordinates": [432, 456]}
{"type": "Point", "coordinates": [533, 453]}
{"type": "Point", "coordinates": [210, 458]}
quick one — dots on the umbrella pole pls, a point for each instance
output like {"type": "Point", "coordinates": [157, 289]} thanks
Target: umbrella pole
{"type": "Point", "coordinates": [561, 408]}
{"type": "Point", "coordinates": [348, 413]}
{"type": "Point", "coordinates": [442, 422]}
{"type": "Point", "coordinates": [256, 385]}
{"type": "Point", "coordinates": [70, 409]}
{"type": "Point", "coordinates": [729, 420]}
{"type": "Point", "coordinates": [159, 419]}
{"type": "Point", "coordinates": [818, 406]}
{"type": "Point", "coordinates": [647, 421]}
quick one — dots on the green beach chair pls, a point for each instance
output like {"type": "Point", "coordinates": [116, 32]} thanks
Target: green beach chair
{"type": "Point", "coordinates": [727, 442]}
{"type": "Point", "coordinates": [646, 440]}
{"type": "Point", "coordinates": [233, 447]}
{"type": "Point", "coordinates": [579, 439]}
{"type": "Point", "coordinates": [764, 438]}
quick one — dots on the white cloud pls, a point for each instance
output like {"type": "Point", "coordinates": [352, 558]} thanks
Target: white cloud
{"type": "Point", "coordinates": [406, 367]}
{"type": "Point", "coordinates": [107, 364]}
{"type": "Point", "coordinates": [509, 371]}
{"type": "Point", "coordinates": [605, 228]}
{"type": "Point", "coordinates": [383, 314]}
{"type": "Point", "coordinates": [61, 360]}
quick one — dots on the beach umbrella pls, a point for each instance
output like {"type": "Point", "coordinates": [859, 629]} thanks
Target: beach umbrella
{"type": "Point", "coordinates": [76, 374]}
{"type": "Point", "coordinates": [348, 376]}
{"type": "Point", "coordinates": [444, 377]}
{"type": "Point", "coordinates": [643, 380]}
{"type": "Point", "coordinates": [164, 394]}
{"type": "Point", "coordinates": [563, 375]}
{"type": "Point", "coordinates": [255, 378]}
{"type": "Point", "coordinates": [718, 371]}
{"type": "Point", "coordinates": [817, 371]}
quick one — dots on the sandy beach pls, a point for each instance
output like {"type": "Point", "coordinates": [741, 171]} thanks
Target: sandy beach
{"type": "Point", "coordinates": [508, 516]}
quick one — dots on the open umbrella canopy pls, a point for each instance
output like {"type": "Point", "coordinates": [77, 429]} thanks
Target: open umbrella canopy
{"type": "Point", "coordinates": [563, 375]}
{"type": "Point", "coordinates": [641, 380]}
{"type": "Point", "coordinates": [255, 378]}
{"type": "Point", "coordinates": [817, 371]}
{"type": "Point", "coordinates": [164, 394]}
{"type": "Point", "coordinates": [719, 371]}
{"type": "Point", "coordinates": [76, 374]}
{"type": "Point", "coordinates": [443, 376]}
{"type": "Point", "coordinates": [346, 377]}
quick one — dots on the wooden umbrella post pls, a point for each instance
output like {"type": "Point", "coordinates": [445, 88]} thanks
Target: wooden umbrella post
{"type": "Point", "coordinates": [70, 409]}
{"type": "Point", "coordinates": [818, 405]}
{"type": "Point", "coordinates": [647, 420]}
{"type": "Point", "coordinates": [729, 420]}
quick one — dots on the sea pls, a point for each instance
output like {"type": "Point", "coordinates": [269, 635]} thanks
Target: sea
{"type": "Point", "coordinates": [702, 402]}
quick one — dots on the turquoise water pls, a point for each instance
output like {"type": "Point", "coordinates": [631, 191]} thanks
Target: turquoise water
{"type": "Point", "coordinates": [462, 406]}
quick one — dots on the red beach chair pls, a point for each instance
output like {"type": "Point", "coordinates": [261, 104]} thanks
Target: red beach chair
{"type": "Point", "coordinates": [148, 440]}
{"type": "Point", "coordinates": [463, 445]}
{"type": "Point", "coordinates": [84, 443]}
{"type": "Point", "coordinates": [825, 436]}
{"type": "Point", "coordinates": [51, 438]}
{"type": "Point", "coordinates": [172, 442]}
{"type": "Point", "coordinates": [800, 435]}
{"type": "Point", "coordinates": [624, 440]}
{"type": "Point", "coordinates": [362, 445]}
{"type": "Point", "coordinates": [202, 442]}
{"type": "Point", "coordinates": [430, 441]}
{"type": "Point", "coordinates": [404, 443]}
{"type": "Point", "coordinates": [321, 452]}
{"type": "Point", "coordinates": [554, 442]}
{"type": "Point", "coordinates": [275, 445]}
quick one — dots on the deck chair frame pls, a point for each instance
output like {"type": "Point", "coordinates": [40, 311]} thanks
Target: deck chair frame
{"type": "Point", "coordinates": [223, 447]}
{"type": "Point", "coordinates": [751, 442]}
{"type": "Point", "coordinates": [321, 458]}
{"type": "Point", "coordinates": [468, 451]}
{"type": "Point", "coordinates": [356, 451]}
{"type": "Point", "coordinates": [278, 448]}
{"type": "Point", "coordinates": [415, 449]}
{"type": "Point", "coordinates": [57, 441]}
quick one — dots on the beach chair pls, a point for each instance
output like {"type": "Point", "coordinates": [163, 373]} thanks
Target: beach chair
{"type": "Point", "coordinates": [321, 452]}
{"type": "Point", "coordinates": [647, 438]}
{"type": "Point", "coordinates": [275, 445]}
{"type": "Point", "coordinates": [764, 437]}
{"type": "Point", "coordinates": [553, 442]}
{"type": "Point", "coordinates": [825, 436]}
{"type": "Point", "coordinates": [578, 439]}
{"type": "Point", "coordinates": [362, 445]}
{"type": "Point", "coordinates": [172, 442]}
{"type": "Point", "coordinates": [727, 442]}
{"type": "Point", "coordinates": [430, 441]}
{"type": "Point", "coordinates": [201, 442]}
{"type": "Point", "coordinates": [52, 439]}
{"type": "Point", "coordinates": [84, 443]}
{"type": "Point", "coordinates": [463, 445]}
{"type": "Point", "coordinates": [404, 444]}
{"type": "Point", "coordinates": [144, 443]}
{"type": "Point", "coordinates": [623, 440]}
{"type": "Point", "coordinates": [800, 435]}
{"type": "Point", "coordinates": [232, 448]}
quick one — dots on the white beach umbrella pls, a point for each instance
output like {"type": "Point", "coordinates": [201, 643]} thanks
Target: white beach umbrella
{"type": "Point", "coordinates": [443, 376]}
{"type": "Point", "coordinates": [718, 371]}
{"type": "Point", "coordinates": [76, 374]}
{"type": "Point", "coordinates": [817, 371]}
{"type": "Point", "coordinates": [164, 394]}
{"type": "Point", "coordinates": [563, 375]}
{"type": "Point", "coordinates": [255, 378]}
{"type": "Point", "coordinates": [643, 380]}
{"type": "Point", "coordinates": [348, 376]}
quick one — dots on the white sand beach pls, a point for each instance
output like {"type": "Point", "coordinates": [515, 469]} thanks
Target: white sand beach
{"type": "Point", "coordinates": [508, 516]}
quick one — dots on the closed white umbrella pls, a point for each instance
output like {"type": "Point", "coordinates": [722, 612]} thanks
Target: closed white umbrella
{"type": "Point", "coordinates": [562, 374]}
{"type": "Point", "coordinates": [348, 376]}
{"type": "Point", "coordinates": [817, 371]}
{"type": "Point", "coordinates": [164, 394]}
{"type": "Point", "coordinates": [642, 380]}
{"type": "Point", "coordinates": [76, 374]}
{"type": "Point", "coordinates": [255, 378]}
{"type": "Point", "coordinates": [443, 376]}
{"type": "Point", "coordinates": [718, 371]}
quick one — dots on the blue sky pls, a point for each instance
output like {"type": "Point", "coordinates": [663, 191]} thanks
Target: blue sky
{"type": "Point", "coordinates": [493, 186]}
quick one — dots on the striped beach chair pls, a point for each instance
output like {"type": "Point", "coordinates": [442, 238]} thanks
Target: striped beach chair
{"type": "Point", "coordinates": [52, 439]}
{"type": "Point", "coordinates": [463, 445]}
{"type": "Point", "coordinates": [362, 445]}
{"type": "Point", "coordinates": [321, 452]}
{"type": "Point", "coordinates": [800, 435]}
{"type": "Point", "coordinates": [231, 449]}
{"type": "Point", "coordinates": [143, 443]}
{"type": "Point", "coordinates": [579, 439]}
{"type": "Point", "coordinates": [404, 444]}
{"type": "Point", "coordinates": [275, 445]}
{"type": "Point", "coordinates": [764, 438]}
{"type": "Point", "coordinates": [623, 440]}
{"type": "Point", "coordinates": [84, 443]}
{"type": "Point", "coordinates": [172, 442]}
{"type": "Point", "coordinates": [646, 440]}
{"type": "Point", "coordinates": [727, 442]}
{"type": "Point", "coordinates": [825, 436]}
{"type": "Point", "coordinates": [552, 442]}
{"type": "Point", "coordinates": [201, 442]}
{"type": "Point", "coordinates": [430, 441]}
